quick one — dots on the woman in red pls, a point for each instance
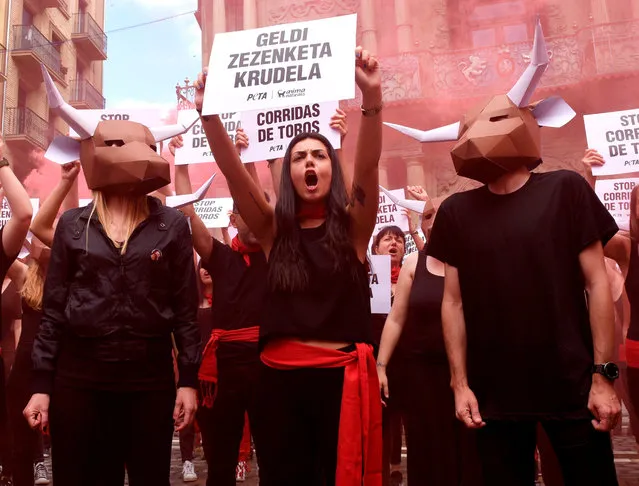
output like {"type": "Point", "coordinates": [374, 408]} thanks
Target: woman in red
{"type": "Point", "coordinates": [321, 407]}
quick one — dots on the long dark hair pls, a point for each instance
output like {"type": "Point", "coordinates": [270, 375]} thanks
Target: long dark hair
{"type": "Point", "coordinates": [288, 269]}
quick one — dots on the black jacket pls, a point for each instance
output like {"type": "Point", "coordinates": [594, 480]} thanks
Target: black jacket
{"type": "Point", "coordinates": [110, 309]}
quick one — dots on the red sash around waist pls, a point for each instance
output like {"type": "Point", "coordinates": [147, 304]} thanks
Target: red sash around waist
{"type": "Point", "coordinates": [208, 368]}
{"type": "Point", "coordinates": [359, 447]}
{"type": "Point", "coordinates": [632, 353]}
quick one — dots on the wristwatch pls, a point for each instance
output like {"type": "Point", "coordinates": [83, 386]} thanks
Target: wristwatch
{"type": "Point", "coordinates": [608, 370]}
{"type": "Point", "coordinates": [4, 162]}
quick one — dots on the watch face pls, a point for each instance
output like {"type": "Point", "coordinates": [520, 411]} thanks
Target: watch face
{"type": "Point", "coordinates": [611, 370]}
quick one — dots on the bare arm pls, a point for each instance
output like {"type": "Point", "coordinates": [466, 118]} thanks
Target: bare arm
{"type": "Point", "coordinates": [16, 229]}
{"type": "Point", "coordinates": [43, 226]}
{"type": "Point", "coordinates": [18, 274]}
{"type": "Point", "coordinates": [364, 200]}
{"type": "Point", "coordinates": [250, 200]}
{"type": "Point", "coordinates": [618, 249]}
{"type": "Point", "coordinates": [602, 402]}
{"type": "Point", "coordinates": [397, 317]}
{"type": "Point", "coordinates": [339, 122]}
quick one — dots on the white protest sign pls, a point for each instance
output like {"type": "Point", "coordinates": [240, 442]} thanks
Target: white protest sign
{"type": "Point", "coordinates": [615, 136]}
{"type": "Point", "coordinates": [151, 117]}
{"type": "Point", "coordinates": [84, 202]}
{"type": "Point", "coordinates": [615, 196]}
{"type": "Point", "coordinates": [270, 131]}
{"type": "Point", "coordinates": [214, 213]}
{"type": "Point", "coordinates": [281, 65]}
{"type": "Point", "coordinates": [390, 213]}
{"type": "Point", "coordinates": [411, 247]}
{"type": "Point", "coordinates": [5, 213]}
{"type": "Point", "coordinates": [379, 280]}
{"type": "Point", "coordinates": [196, 148]}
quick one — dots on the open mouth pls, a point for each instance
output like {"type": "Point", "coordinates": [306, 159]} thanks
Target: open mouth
{"type": "Point", "coordinates": [311, 180]}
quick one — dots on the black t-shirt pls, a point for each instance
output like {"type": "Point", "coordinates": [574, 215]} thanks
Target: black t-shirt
{"type": "Point", "coordinates": [529, 344]}
{"type": "Point", "coordinates": [239, 291]}
{"type": "Point", "coordinates": [334, 307]}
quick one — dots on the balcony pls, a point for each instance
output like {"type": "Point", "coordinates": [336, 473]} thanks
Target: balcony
{"type": "Point", "coordinates": [85, 96]}
{"type": "Point", "coordinates": [39, 5]}
{"type": "Point", "coordinates": [30, 49]}
{"type": "Point", "coordinates": [3, 63]}
{"type": "Point", "coordinates": [89, 38]}
{"type": "Point", "coordinates": [25, 130]}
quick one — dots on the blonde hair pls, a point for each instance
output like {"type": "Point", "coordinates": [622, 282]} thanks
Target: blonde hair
{"type": "Point", "coordinates": [33, 287]}
{"type": "Point", "coordinates": [137, 210]}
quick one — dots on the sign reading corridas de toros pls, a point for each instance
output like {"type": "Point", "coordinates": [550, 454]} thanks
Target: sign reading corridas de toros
{"type": "Point", "coordinates": [282, 65]}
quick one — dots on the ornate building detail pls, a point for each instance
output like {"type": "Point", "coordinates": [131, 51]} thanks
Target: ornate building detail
{"type": "Point", "coordinates": [303, 10]}
{"type": "Point", "coordinates": [473, 69]}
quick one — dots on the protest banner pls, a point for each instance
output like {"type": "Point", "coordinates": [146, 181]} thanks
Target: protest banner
{"type": "Point", "coordinates": [615, 136]}
{"type": "Point", "coordinates": [270, 131]}
{"type": "Point", "coordinates": [410, 245]}
{"type": "Point", "coordinates": [615, 196]}
{"type": "Point", "coordinates": [214, 213]}
{"type": "Point", "coordinates": [5, 213]}
{"type": "Point", "coordinates": [379, 280]}
{"type": "Point", "coordinates": [390, 213]}
{"type": "Point", "coordinates": [282, 65]}
{"type": "Point", "coordinates": [151, 117]}
{"type": "Point", "coordinates": [196, 148]}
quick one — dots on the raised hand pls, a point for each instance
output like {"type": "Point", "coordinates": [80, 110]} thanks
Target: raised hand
{"type": "Point", "coordinates": [592, 158]}
{"type": "Point", "coordinates": [241, 140]}
{"type": "Point", "coordinates": [71, 170]}
{"type": "Point", "coordinates": [176, 143]}
{"type": "Point", "coordinates": [339, 122]}
{"type": "Point", "coordinates": [367, 74]}
{"type": "Point", "coordinates": [417, 192]}
{"type": "Point", "coordinates": [200, 84]}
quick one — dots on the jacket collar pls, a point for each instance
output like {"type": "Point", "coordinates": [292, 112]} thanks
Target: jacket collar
{"type": "Point", "coordinates": [155, 209]}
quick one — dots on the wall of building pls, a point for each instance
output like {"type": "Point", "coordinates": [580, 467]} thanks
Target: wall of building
{"type": "Point", "coordinates": [441, 57]}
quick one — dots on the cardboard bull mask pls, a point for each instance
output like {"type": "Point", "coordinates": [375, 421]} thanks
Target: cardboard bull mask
{"type": "Point", "coordinates": [503, 134]}
{"type": "Point", "coordinates": [117, 156]}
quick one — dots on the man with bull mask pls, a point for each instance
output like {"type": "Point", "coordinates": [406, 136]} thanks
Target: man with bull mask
{"type": "Point", "coordinates": [525, 345]}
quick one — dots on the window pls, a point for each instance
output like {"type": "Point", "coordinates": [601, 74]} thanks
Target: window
{"type": "Point", "coordinates": [22, 97]}
{"type": "Point", "coordinates": [494, 23]}
{"type": "Point", "coordinates": [27, 17]}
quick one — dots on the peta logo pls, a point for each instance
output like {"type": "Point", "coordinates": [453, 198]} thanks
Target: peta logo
{"type": "Point", "coordinates": [256, 97]}
{"type": "Point", "coordinates": [291, 93]}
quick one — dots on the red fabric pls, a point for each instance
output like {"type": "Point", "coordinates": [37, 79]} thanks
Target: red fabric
{"type": "Point", "coordinates": [316, 211]}
{"type": "Point", "coordinates": [359, 448]}
{"type": "Point", "coordinates": [208, 368]}
{"type": "Point", "coordinates": [245, 250]}
{"type": "Point", "coordinates": [395, 273]}
{"type": "Point", "coordinates": [245, 445]}
{"type": "Point", "coordinates": [209, 299]}
{"type": "Point", "coordinates": [632, 353]}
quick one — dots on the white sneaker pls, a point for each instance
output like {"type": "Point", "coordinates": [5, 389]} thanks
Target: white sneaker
{"type": "Point", "coordinates": [240, 471]}
{"type": "Point", "coordinates": [40, 474]}
{"type": "Point", "coordinates": [188, 472]}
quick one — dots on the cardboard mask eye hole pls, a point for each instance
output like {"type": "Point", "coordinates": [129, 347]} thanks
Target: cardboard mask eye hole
{"type": "Point", "coordinates": [498, 118]}
{"type": "Point", "coordinates": [154, 148]}
{"type": "Point", "coordinates": [114, 143]}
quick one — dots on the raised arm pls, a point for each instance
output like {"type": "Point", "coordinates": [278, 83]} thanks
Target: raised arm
{"type": "Point", "coordinates": [591, 159]}
{"type": "Point", "coordinates": [603, 401]}
{"type": "Point", "coordinates": [396, 319]}
{"type": "Point", "coordinates": [248, 196]}
{"type": "Point", "coordinates": [43, 225]}
{"type": "Point", "coordinates": [16, 229]}
{"type": "Point", "coordinates": [454, 328]}
{"type": "Point", "coordinates": [364, 200]}
{"type": "Point", "coordinates": [339, 122]}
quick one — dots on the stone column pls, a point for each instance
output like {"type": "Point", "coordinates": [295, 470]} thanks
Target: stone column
{"type": "Point", "coordinates": [383, 173]}
{"type": "Point", "coordinates": [369, 33]}
{"type": "Point", "coordinates": [415, 173]}
{"type": "Point", "coordinates": [404, 27]}
{"type": "Point", "coordinates": [635, 9]}
{"type": "Point", "coordinates": [219, 17]}
{"type": "Point", "coordinates": [250, 14]}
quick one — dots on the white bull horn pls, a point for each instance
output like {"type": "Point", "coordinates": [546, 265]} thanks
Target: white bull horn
{"type": "Point", "coordinates": [80, 122]}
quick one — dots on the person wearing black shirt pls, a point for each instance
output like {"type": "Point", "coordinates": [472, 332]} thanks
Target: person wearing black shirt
{"type": "Point", "coordinates": [522, 338]}
{"type": "Point", "coordinates": [318, 385]}
{"type": "Point", "coordinates": [12, 237]}
{"type": "Point", "coordinates": [390, 241]}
